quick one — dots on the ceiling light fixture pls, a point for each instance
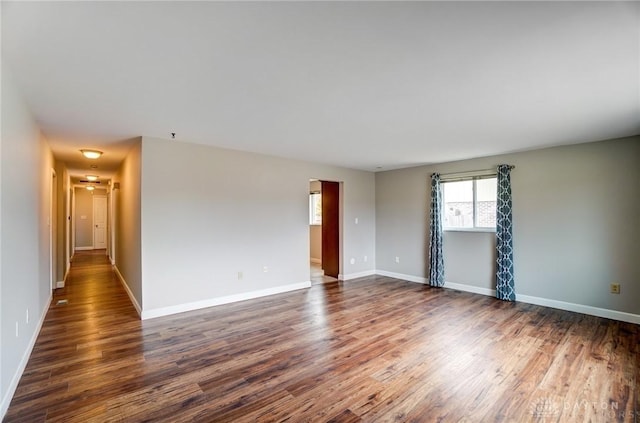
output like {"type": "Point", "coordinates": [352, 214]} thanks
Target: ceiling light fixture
{"type": "Point", "coordinates": [91, 154]}
{"type": "Point", "coordinates": [91, 178]}
{"type": "Point", "coordinates": [91, 188]}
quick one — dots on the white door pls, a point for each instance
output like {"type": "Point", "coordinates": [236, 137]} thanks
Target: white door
{"type": "Point", "coordinates": [99, 222]}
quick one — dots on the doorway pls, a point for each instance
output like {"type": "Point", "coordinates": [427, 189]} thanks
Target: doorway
{"type": "Point", "coordinates": [69, 228]}
{"type": "Point", "coordinates": [324, 230]}
{"type": "Point", "coordinates": [99, 222]}
{"type": "Point", "coordinates": [90, 223]}
{"type": "Point", "coordinates": [53, 204]}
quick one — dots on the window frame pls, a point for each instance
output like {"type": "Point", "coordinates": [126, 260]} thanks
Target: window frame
{"type": "Point", "coordinates": [312, 206]}
{"type": "Point", "coordinates": [475, 227]}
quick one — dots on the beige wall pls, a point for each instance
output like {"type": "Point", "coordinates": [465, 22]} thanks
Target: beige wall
{"type": "Point", "coordinates": [128, 241]}
{"type": "Point", "coordinates": [25, 183]}
{"type": "Point", "coordinates": [575, 211]}
{"type": "Point", "coordinates": [83, 218]}
{"type": "Point", "coordinates": [62, 258]}
{"type": "Point", "coordinates": [209, 213]}
{"type": "Point", "coordinates": [53, 222]}
{"type": "Point", "coordinates": [315, 238]}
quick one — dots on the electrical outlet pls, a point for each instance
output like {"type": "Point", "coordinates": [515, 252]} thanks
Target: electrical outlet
{"type": "Point", "coordinates": [397, 259]}
{"type": "Point", "coordinates": [240, 275]}
{"type": "Point", "coordinates": [27, 319]}
{"type": "Point", "coordinates": [352, 261]}
{"type": "Point", "coordinates": [615, 288]}
{"type": "Point", "coordinates": [16, 329]}
{"type": "Point", "coordinates": [365, 259]}
{"type": "Point", "coordinates": [265, 269]}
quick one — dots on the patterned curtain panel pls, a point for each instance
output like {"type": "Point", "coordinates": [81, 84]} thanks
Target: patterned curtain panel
{"type": "Point", "coordinates": [505, 284]}
{"type": "Point", "coordinates": [436, 259]}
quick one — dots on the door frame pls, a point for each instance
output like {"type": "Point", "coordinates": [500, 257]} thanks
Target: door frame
{"type": "Point", "coordinates": [106, 221]}
{"type": "Point", "coordinates": [53, 191]}
{"type": "Point", "coordinates": [69, 226]}
{"type": "Point", "coordinates": [101, 191]}
{"type": "Point", "coordinates": [111, 222]}
{"type": "Point", "coordinates": [340, 257]}
{"type": "Point", "coordinates": [331, 228]}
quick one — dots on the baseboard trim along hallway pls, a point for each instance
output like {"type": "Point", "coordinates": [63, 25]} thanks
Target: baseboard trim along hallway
{"type": "Point", "coordinates": [15, 379]}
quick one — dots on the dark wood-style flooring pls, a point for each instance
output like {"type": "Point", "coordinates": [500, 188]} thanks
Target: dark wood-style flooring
{"type": "Point", "coordinates": [373, 350]}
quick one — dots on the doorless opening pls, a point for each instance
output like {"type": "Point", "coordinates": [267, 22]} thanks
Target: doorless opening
{"type": "Point", "coordinates": [324, 230]}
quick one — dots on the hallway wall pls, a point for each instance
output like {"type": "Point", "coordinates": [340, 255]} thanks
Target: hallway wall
{"type": "Point", "coordinates": [62, 222]}
{"type": "Point", "coordinates": [83, 218]}
{"type": "Point", "coordinates": [128, 242]}
{"type": "Point", "coordinates": [25, 183]}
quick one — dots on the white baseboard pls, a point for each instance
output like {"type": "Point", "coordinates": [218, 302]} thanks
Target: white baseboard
{"type": "Point", "coordinates": [579, 308]}
{"type": "Point", "coordinates": [84, 248]}
{"type": "Point", "coordinates": [546, 302]}
{"type": "Point", "coordinates": [62, 283]}
{"type": "Point", "coordinates": [196, 305]}
{"type": "Point", "coordinates": [450, 285]}
{"type": "Point", "coordinates": [409, 278]}
{"type": "Point", "coordinates": [13, 385]}
{"type": "Point", "coordinates": [316, 260]}
{"type": "Point", "coordinates": [356, 275]}
{"type": "Point", "coordinates": [470, 288]}
{"type": "Point", "coordinates": [129, 293]}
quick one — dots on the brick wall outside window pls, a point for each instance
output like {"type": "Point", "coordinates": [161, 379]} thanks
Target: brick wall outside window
{"type": "Point", "coordinates": [460, 214]}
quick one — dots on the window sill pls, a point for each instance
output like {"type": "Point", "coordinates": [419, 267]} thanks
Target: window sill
{"type": "Point", "coordinates": [493, 230]}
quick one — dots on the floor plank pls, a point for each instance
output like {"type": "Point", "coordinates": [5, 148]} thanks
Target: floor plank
{"type": "Point", "coordinates": [371, 350]}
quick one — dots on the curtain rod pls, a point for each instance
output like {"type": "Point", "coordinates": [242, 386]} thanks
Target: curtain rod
{"type": "Point", "coordinates": [472, 173]}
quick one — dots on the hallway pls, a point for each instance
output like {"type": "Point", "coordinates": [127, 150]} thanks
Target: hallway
{"type": "Point", "coordinates": [73, 366]}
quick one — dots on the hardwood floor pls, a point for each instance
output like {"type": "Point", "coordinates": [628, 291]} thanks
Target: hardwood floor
{"type": "Point", "coordinates": [372, 350]}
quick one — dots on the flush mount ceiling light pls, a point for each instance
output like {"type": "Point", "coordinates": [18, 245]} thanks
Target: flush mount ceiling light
{"type": "Point", "coordinates": [91, 177]}
{"type": "Point", "coordinates": [90, 188]}
{"type": "Point", "coordinates": [91, 154]}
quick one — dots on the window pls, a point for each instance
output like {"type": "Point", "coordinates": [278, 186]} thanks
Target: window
{"type": "Point", "coordinates": [470, 204]}
{"type": "Point", "coordinates": [315, 208]}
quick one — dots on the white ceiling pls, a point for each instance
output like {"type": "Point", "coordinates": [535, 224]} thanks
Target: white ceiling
{"type": "Point", "coordinates": [365, 85]}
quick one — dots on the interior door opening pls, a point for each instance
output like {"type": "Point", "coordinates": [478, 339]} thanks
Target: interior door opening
{"type": "Point", "coordinates": [90, 219]}
{"type": "Point", "coordinates": [324, 230]}
{"type": "Point", "coordinates": [53, 205]}
{"type": "Point", "coordinates": [99, 222]}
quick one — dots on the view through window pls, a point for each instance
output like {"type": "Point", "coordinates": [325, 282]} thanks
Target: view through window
{"type": "Point", "coordinates": [470, 203]}
{"type": "Point", "coordinates": [315, 208]}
